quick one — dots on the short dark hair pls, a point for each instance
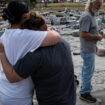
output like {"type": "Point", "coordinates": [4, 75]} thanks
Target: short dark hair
{"type": "Point", "coordinates": [14, 11]}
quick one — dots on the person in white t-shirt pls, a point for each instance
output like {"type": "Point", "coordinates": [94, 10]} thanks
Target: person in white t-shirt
{"type": "Point", "coordinates": [17, 43]}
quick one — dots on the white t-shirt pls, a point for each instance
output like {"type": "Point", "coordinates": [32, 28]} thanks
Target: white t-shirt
{"type": "Point", "coordinates": [17, 43]}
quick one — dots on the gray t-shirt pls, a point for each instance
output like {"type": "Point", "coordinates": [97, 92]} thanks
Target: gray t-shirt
{"type": "Point", "coordinates": [88, 24]}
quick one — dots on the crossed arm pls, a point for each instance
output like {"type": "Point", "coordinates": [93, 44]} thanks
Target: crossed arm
{"type": "Point", "coordinates": [89, 36]}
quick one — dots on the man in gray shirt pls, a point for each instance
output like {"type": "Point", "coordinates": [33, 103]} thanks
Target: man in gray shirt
{"type": "Point", "coordinates": [88, 39]}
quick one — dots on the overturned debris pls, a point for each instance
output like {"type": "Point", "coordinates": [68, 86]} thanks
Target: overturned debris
{"type": "Point", "coordinates": [101, 52]}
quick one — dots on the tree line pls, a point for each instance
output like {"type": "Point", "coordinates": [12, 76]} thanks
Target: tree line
{"type": "Point", "coordinates": [33, 2]}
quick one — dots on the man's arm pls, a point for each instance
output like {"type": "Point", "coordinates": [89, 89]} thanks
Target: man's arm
{"type": "Point", "coordinates": [9, 71]}
{"type": "Point", "coordinates": [23, 68]}
{"type": "Point", "coordinates": [89, 36]}
{"type": "Point", "coordinates": [85, 24]}
{"type": "Point", "coordinates": [51, 38]}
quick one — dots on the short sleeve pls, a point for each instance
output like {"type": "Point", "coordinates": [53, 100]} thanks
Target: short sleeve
{"type": "Point", "coordinates": [85, 23]}
{"type": "Point", "coordinates": [28, 64]}
{"type": "Point", "coordinates": [33, 39]}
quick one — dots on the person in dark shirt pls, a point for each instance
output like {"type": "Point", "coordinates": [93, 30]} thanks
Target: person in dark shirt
{"type": "Point", "coordinates": [52, 72]}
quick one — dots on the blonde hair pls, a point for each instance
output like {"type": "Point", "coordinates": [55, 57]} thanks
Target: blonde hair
{"type": "Point", "coordinates": [88, 3]}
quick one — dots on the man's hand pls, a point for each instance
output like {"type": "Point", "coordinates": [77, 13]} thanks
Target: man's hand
{"type": "Point", "coordinates": [99, 37]}
{"type": "Point", "coordinates": [2, 51]}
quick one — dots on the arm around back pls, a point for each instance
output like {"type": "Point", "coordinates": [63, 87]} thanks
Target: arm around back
{"type": "Point", "coordinates": [51, 38]}
{"type": "Point", "coordinates": [10, 73]}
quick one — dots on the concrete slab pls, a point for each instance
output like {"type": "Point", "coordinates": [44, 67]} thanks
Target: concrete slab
{"type": "Point", "coordinates": [101, 95]}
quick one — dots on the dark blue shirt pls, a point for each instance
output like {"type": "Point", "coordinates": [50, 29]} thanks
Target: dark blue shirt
{"type": "Point", "coordinates": [52, 72]}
